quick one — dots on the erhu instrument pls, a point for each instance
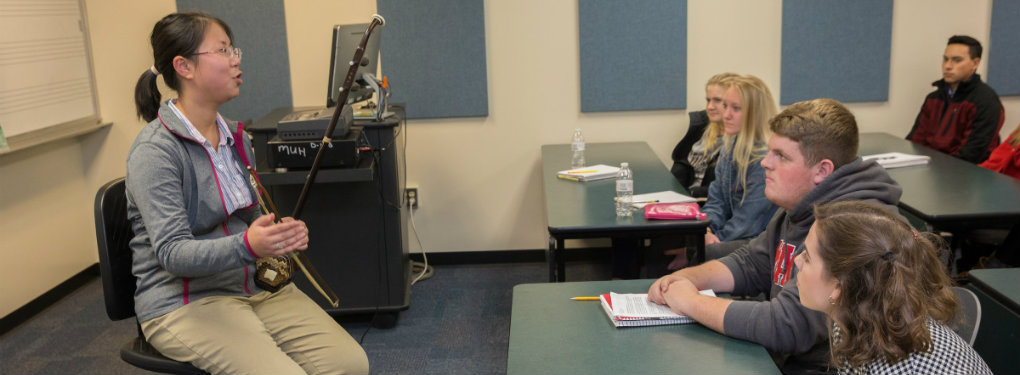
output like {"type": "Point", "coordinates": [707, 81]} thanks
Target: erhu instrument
{"type": "Point", "coordinates": [377, 20]}
{"type": "Point", "coordinates": [273, 273]}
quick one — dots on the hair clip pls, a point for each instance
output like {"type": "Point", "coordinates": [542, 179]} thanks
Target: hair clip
{"type": "Point", "coordinates": [915, 233]}
{"type": "Point", "coordinates": [887, 255]}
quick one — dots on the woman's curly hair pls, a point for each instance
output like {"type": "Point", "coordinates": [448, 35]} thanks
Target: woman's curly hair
{"type": "Point", "coordinates": [891, 282]}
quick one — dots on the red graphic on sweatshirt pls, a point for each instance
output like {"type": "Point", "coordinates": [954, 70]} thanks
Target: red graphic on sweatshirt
{"type": "Point", "coordinates": [784, 263]}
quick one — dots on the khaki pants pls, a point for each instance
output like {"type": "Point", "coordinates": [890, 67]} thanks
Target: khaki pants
{"type": "Point", "coordinates": [280, 333]}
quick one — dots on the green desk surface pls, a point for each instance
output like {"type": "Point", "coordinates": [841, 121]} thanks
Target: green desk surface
{"type": "Point", "coordinates": [576, 208]}
{"type": "Point", "coordinates": [948, 190]}
{"type": "Point", "coordinates": [998, 335]}
{"type": "Point", "coordinates": [550, 334]}
{"type": "Point", "coordinates": [1003, 284]}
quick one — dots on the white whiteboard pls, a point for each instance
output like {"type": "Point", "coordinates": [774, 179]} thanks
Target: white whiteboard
{"type": "Point", "coordinates": [45, 65]}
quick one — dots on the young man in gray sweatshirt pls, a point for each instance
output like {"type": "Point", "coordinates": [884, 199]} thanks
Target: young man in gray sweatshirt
{"type": "Point", "coordinates": [812, 159]}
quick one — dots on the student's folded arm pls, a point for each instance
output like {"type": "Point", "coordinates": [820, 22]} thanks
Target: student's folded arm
{"type": "Point", "coordinates": [985, 126]}
{"type": "Point", "coordinates": [781, 324]}
{"type": "Point", "coordinates": [709, 311]}
{"type": "Point", "coordinates": [710, 275]}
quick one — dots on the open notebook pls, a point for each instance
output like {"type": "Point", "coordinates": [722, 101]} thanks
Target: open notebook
{"type": "Point", "coordinates": [668, 196]}
{"type": "Point", "coordinates": [635, 310]}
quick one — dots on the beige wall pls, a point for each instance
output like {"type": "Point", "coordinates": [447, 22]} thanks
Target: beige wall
{"type": "Point", "coordinates": [480, 178]}
{"type": "Point", "coordinates": [47, 232]}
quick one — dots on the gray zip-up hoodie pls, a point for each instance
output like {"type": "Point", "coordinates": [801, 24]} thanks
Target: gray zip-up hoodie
{"type": "Point", "coordinates": [797, 337]}
{"type": "Point", "coordinates": [186, 246]}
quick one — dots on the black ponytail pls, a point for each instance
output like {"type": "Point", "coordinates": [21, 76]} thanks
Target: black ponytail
{"type": "Point", "coordinates": [147, 96]}
{"type": "Point", "coordinates": [177, 34]}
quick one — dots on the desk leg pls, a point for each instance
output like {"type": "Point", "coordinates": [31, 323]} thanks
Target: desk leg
{"type": "Point", "coordinates": [554, 257]}
{"type": "Point", "coordinates": [550, 258]}
{"type": "Point", "coordinates": [1012, 241]}
{"type": "Point", "coordinates": [561, 264]}
{"type": "Point", "coordinates": [699, 243]}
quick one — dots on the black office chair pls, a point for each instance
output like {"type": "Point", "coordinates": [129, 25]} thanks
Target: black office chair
{"type": "Point", "coordinates": [968, 314]}
{"type": "Point", "coordinates": [113, 231]}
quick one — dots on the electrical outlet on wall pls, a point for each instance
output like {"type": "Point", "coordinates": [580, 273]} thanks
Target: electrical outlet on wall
{"type": "Point", "coordinates": [411, 194]}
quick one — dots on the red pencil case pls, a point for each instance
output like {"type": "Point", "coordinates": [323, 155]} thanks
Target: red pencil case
{"type": "Point", "coordinates": [674, 211]}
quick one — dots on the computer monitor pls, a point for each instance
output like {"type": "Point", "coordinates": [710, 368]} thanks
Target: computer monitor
{"type": "Point", "coordinates": [345, 42]}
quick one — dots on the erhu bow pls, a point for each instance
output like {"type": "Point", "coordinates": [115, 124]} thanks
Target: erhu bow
{"type": "Point", "coordinates": [377, 20]}
{"type": "Point", "coordinates": [272, 278]}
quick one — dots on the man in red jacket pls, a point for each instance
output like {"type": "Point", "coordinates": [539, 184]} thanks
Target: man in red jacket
{"type": "Point", "coordinates": [962, 117]}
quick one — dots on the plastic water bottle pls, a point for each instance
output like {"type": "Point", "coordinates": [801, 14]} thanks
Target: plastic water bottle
{"type": "Point", "coordinates": [577, 146]}
{"type": "Point", "coordinates": [624, 190]}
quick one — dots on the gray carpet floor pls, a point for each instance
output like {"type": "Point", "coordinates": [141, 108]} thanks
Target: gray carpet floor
{"type": "Point", "coordinates": [458, 322]}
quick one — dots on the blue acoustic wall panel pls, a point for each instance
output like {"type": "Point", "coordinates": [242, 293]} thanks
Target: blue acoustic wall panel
{"type": "Point", "coordinates": [633, 54]}
{"type": "Point", "coordinates": [433, 54]}
{"type": "Point", "coordinates": [836, 49]}
{"type": "Point", "coordinates": [1003, 51]}
{"type": "Point", "coordinates": [260, 31]}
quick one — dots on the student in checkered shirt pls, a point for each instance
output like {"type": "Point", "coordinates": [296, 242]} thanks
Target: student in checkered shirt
{"type": "Point", "coordinates": [884, 290]}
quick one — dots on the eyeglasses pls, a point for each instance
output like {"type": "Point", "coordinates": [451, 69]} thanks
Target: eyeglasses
{"type": "Point", "coordinates": [228, 52]}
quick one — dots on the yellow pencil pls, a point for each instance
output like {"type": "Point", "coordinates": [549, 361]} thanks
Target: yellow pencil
{"type": "Point", "coordinates": [585, 298]}
{"type": "Point", "coordinates": [575, 172]}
